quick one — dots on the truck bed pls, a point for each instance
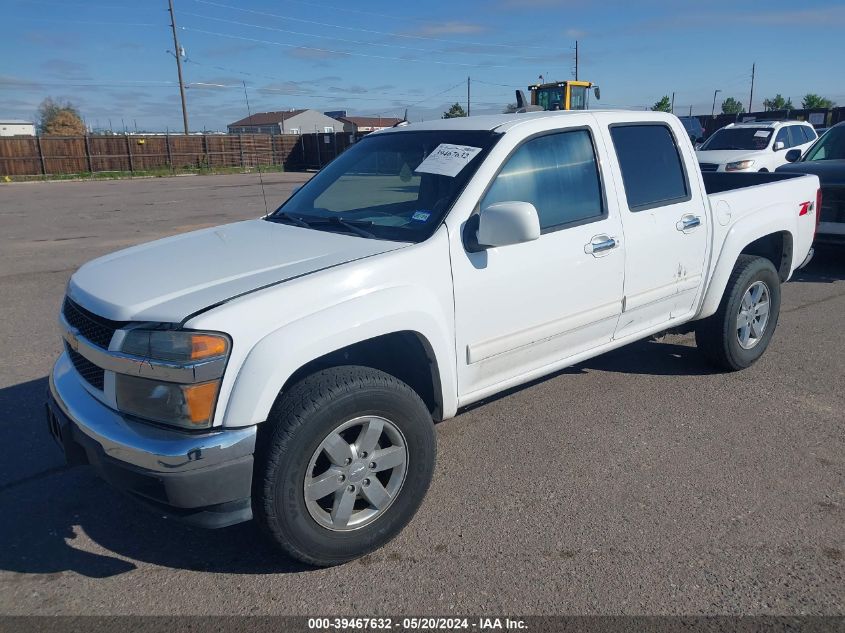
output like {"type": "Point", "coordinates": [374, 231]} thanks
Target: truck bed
{"type": "Point", "coordinates": [717, 182]}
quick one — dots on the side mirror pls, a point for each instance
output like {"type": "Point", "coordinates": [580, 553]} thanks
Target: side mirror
{"type": "Point", "coordinates": [502, 224]}
{"type": "Point", "coordinates": [597, 92]}
{"type": "Point", "coordinates": [793, 155]}
{"type": "Point", "coordinates": [779, 145]}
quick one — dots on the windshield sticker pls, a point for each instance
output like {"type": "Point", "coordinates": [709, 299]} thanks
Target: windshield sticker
{"type": "Point", "coordinates": [762, 133]}
{"type": "Point", "coordinates": [421, 216]}
{"type": "Point", "coordinates": [447, 160]}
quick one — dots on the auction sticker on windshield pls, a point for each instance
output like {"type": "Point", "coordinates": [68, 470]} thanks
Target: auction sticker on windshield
{"type": "Point", "coordinates": [447, 160]}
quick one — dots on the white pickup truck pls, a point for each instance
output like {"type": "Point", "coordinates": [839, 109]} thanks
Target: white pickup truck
{"type": "Point", "coordinates": [290, 368]}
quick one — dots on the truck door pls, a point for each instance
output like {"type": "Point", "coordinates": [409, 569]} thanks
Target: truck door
{"type": "Point", "coordinates": [665, 223]}
{"type": "Point", "coordinates": [526, 307]}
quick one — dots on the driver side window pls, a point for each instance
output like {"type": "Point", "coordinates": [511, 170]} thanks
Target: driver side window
{"type": "Point", "coordinates": [558, 174]}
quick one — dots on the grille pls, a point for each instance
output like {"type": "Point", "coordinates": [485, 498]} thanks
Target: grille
{"type": "Point", "coordinates": [95, 328]}
{"type": "Point", "coordinates": [708, 166]}
{"type": "Point", "coordinates": [833, 204]}
{"type": "Point", "coordinates": [92, 374]}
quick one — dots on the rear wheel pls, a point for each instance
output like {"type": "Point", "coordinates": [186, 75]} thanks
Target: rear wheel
{"type": "Point", "coordinates": [347, 462]}
{"type": "Point", "coordinates": [741, 329]}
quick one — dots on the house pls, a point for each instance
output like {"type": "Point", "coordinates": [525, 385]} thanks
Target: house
{"type": "Point", "coordinates": [285, 122]}
{"type": "Point", "coordinates": [16, 127]}
{"type": "Point", "coordinates": [354, 124]}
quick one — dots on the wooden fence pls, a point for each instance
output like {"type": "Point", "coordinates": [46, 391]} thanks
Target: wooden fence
{"type": "Point", "coordinates": [54, 155]}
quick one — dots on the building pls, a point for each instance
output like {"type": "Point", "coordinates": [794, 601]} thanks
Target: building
{"type": "Point", "coordinates": [16, 127]}
{"type": "Point", "coordinates": [355, 124]}
{"type": "Point", "coordinates": [286, 122]}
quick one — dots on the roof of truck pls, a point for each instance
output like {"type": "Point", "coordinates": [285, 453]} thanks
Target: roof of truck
{"type": "Point", "coordinates": [504, 122]}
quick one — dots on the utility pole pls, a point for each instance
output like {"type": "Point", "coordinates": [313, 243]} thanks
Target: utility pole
{"type": "Point", "coordinates": [178, 54]}
{"type": "Point", "coordinates": [751, 98]}
{"type": "Point", "coordinates": [713, 111]}
{"type": "Point", "coordinates": [468, 81]}
{"type": "Point", "coordinates": [576, 60]}
{"type": "Point", "coordinates": [673, 103]}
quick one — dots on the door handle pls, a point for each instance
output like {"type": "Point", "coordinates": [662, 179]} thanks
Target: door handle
{"type": "Point", "coordinates": [688, 222]}
{"type": "Point", "coordinates": [600, 244]}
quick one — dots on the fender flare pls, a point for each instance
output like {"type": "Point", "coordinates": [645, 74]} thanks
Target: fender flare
{"type": "Point", "coordinates": [277, 356]}
{"type": "Point", "coordinates": [741, 234]}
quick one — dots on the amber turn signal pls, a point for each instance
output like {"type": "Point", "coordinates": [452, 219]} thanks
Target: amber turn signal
{"type": "Point", "coordinates": [200, 401]}
{"type": "Point", "coordinates": [207, 346]}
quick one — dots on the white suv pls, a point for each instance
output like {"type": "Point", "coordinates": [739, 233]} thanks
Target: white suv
{"type": "Point", "coordinates": [754, 146]}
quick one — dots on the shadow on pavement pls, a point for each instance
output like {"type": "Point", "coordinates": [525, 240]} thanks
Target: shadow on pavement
{"type": "Point", "coordinates": [643, 357]}
{"type": "Point", "coordinates": [50, 513]}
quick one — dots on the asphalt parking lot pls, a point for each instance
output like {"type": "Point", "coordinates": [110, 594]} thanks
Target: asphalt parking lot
{"type": "Point", "coordinates": [637, 483]}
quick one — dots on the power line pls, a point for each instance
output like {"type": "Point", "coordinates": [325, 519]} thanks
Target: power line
{"type": "Point", "coordinates": [352, 28]}
{"type": "Point", "coordinates": [346, 41]}
{"type": "Point", "coordinates": [336, 52]}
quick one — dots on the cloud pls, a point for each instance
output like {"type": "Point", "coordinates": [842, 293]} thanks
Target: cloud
{"type": "Point", "coordinates": [575, 33]}
{"type": "Point", "coordinates": [448, 28]}
{"type": "Point", "coordinates": [538, 4]}
{"type": "Point", "coordinates": [63, 69]}
{"type": "Point", "coordinates": [287, 88]}
{"type": "Point", "coordinates": [303, 52]}
{"type": "Point", "coordinates": [350, 89]}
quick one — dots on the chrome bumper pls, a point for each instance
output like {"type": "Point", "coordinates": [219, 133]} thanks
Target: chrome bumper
{"type": "Point", "coordinates": [187, 473]}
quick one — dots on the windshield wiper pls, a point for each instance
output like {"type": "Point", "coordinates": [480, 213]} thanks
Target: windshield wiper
{"type": "Point", "coordinates": [355, 226]}
{"type": "Point", "coordinates": [287, 218]}
{"type": "Point", "coordinates": [308, 222]}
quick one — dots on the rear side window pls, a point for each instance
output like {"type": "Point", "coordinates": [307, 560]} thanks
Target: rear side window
{"type": "Point", "coordinates": [796, 135]}
{"type": "Point", "coordinates": [558, 174]}
{"type": "Point", "coordinates": [809, 133]}
{"type": "Point", "coordinates": [651, 165]}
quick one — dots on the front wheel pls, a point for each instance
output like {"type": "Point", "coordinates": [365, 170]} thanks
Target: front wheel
{"type": "Point", "coordinates": [741, 329]}
{"type": "Point", "coordinates": [346, 463]}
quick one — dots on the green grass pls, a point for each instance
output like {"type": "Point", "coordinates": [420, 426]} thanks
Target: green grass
{"type": "Point", "coordinates": [146, 173]}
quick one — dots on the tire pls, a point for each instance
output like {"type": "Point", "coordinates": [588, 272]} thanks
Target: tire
{"type": "Point", "coordinates": [300, 441]}
{"type": "Point", "coordinates": [719, 337]}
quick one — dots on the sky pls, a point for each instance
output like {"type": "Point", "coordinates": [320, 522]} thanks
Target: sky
{"type": "Point", "coordinates": [114, 59]}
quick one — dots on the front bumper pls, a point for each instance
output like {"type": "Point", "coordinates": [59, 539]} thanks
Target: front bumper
{"type": "Point", "coordinates": [204, 479]}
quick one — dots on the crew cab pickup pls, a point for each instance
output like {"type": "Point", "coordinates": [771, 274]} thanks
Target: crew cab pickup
{"type": "Point", "coordinates": [289, 369]}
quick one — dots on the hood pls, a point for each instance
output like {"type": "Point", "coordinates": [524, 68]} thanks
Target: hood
{"type": "Point", "coordinates": [830, 172]}
{"type": "Point", "coordinates": [170, 279]}
{"type": "Point", "coordinates": [722, 156]}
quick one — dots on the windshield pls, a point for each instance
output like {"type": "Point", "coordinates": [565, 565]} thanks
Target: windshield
{"type": "Point", "coordinates": [392, 186]}
{"type": "Point", "coordinates": [550, 98]}
{"type": "Point", "coordinates": [748, 138]}
{"type": "Point", "coordinates": [831, 146]}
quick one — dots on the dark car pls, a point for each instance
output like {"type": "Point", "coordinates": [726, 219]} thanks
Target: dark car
{"type": "Point", "coordinates": [825, 159]}
{"type": "Point", "coordinates": [694, 128]}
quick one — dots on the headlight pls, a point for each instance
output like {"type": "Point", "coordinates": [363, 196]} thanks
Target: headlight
{"type": "Point", "coordinates": [181, 346]}
{"type": "Point", "coordinates": [739, 165]}
{"type": "Point", "coordinates": [186, 394]}
{"type": "Point", "coordinates": [188, 406]}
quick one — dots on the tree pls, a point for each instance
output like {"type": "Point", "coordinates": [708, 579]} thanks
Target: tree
{"type": "Point", "coordinates": [454, 112]}
{"type": "Point", "coordinates": [664, 105]}
{"type": "Point", "coordinates": [510, 108]}
{"type": "Point", "coordinates": [732, 106]}
{"type": "Point", "coordinates": [59, 119]}
{"type": "Point", "coordinates": [778, 103]}
{"type": "Point", "coordinates": [815, 101]}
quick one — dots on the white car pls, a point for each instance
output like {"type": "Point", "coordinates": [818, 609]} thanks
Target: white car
{"type": "Point", "coordinates": [754, 146]}
{"type": "Point", "coordinates": [290, 368]}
